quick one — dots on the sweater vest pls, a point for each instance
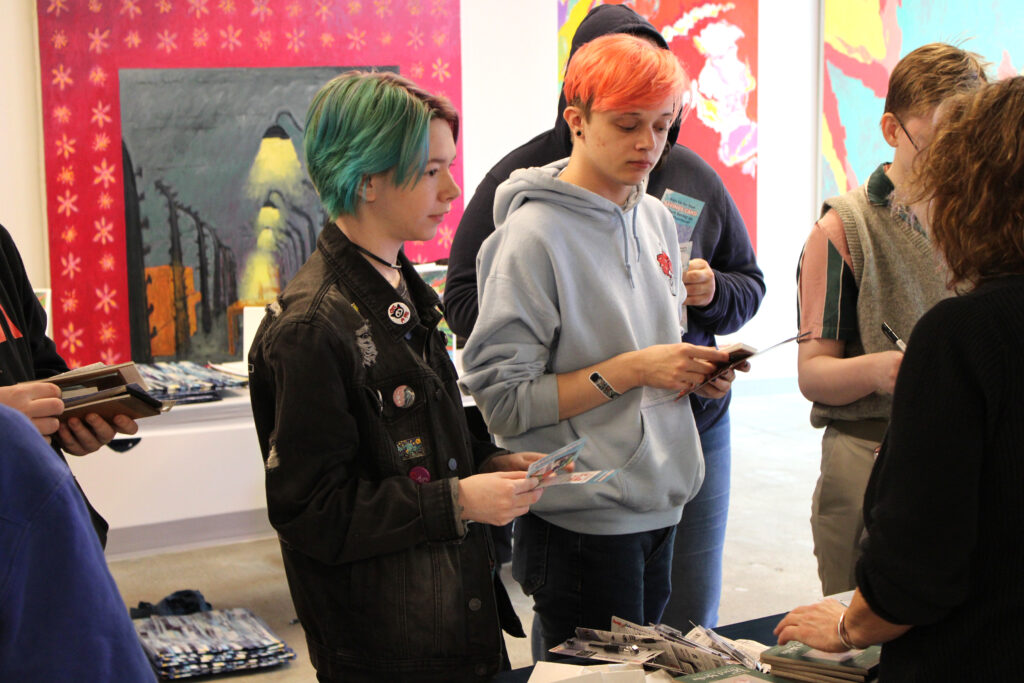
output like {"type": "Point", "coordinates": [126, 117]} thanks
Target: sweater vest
{"type": "Point", "coordinates": [899, 276]}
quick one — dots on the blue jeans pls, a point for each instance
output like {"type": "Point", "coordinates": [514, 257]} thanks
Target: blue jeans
{"type": "Point", "coordinates": [700, 538]}
{"type": "Point", "coordinates": [585, 580]}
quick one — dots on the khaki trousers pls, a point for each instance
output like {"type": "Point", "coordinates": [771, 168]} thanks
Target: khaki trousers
{"type": "Point", "coordinates": [837, 519]}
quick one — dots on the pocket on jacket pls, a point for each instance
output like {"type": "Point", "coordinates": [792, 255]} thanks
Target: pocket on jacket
{"type": "Point", "coordinates": [530, 552]}
{"type": "Point", "coordinates": [405, 421]}
{"type": "Point", "coordinates": [408, 605]}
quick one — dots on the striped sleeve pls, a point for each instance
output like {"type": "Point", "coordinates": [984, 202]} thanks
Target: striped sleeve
{"type": "Point", "coordinates": [826, 290]}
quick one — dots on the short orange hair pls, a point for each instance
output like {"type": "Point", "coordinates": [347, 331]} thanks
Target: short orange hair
{"type": "Point", "coordinates": [620, 71]}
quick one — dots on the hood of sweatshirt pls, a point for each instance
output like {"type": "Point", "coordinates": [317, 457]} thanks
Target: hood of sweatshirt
{"type": "Point", "coordinates": [601, 21]}
{"type": "Point", "coordinates": [543, 183]}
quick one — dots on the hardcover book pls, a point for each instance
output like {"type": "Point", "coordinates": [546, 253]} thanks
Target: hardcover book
{"type": "Point", "coordinates": [106, 390]}
{"type": "Point", "coordinates": [802, 662]}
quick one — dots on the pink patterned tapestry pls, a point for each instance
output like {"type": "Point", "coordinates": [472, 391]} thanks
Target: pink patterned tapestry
{"type": "Point", "coordinates": [175, 186]}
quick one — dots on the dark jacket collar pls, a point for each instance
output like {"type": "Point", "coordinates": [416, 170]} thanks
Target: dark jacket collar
{"type": "Point", "coordinates": [372, 291]}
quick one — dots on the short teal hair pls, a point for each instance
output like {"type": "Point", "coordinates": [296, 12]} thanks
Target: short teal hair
{"type": "Point", "coordinates": [363, 123]}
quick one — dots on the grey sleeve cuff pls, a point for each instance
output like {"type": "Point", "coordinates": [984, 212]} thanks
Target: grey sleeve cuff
{"type": "Point", "coordinates": [543, 399]}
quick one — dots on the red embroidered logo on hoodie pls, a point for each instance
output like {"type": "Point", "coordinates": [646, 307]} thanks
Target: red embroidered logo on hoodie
{"type": "Point", "coordinates": [666, 263]}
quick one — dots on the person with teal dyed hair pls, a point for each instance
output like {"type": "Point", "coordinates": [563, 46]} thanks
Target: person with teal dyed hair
{"type": "Point", "coordinates": [372, 475]}
{"type": "Point", "coordinates": [342, 150]}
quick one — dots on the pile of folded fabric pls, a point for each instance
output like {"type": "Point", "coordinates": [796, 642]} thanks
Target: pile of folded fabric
{"type": "Point", "coordinates": [188, 382]}
{"type": "Point", "coordinates": [210, 642]}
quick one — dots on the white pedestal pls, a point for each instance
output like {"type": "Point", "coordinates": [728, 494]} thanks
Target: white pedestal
{"type": "Point", "coordinates": [195, 477]}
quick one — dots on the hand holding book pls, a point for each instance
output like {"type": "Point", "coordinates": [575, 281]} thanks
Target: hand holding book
{"type": "Point", "coordinates": [107, 391]}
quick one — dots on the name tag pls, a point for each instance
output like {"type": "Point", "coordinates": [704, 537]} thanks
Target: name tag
{"type": "Point", "coordinates": [685, 210]}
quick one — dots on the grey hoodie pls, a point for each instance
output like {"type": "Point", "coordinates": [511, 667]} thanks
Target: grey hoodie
{"type": "Point", "coordinates": [567, 280]}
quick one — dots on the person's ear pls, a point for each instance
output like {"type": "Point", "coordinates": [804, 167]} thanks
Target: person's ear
{"type": "Point", "coordinates": [368, 188]}
{"type": "Point", "coordinates": [573, 116]}
{"type": "Point", "coordinates": [890, 128]}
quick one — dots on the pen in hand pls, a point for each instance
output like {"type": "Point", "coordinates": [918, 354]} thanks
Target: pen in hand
{"type": "Point", "coordinates": [894, 338]}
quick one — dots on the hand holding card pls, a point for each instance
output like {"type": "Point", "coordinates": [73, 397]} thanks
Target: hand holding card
{"type": "Point", "coordinates": [554, 468]}
{"type": "Point", "coordinates": [557, 461]}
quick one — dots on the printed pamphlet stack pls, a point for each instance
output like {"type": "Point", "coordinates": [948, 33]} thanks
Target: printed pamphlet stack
{"type": "Point", "coordinates": [663, 647]}
{"type": "Point", "coordinates": [799, 662]}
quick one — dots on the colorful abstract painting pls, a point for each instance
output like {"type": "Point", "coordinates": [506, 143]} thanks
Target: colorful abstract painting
{"type": "Point", "coordinates": [717, 43]}
{"type": "Point", "coordinates": [863, 41]}
{"type": "Point", "coordinates": [175, 185]}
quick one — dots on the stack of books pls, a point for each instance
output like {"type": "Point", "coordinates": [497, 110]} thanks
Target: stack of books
{"type": "Point", "coordinates": [211, 642]}
{"type": "Point", "coordinates": [107, 390]}
{"type": "Point", "coordinates": [799, 662]}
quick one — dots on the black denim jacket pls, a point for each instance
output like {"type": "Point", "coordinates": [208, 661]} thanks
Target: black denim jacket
{"type": "Point", "coordinates": [354, 395]}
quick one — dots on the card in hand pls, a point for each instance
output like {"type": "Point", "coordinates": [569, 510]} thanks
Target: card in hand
{"type": "Point", "coordinates": [556, 461]}
{"type": "Point", "coordinates": [588, 477]}
{"type": "Point", "coordinates": [738, 354]}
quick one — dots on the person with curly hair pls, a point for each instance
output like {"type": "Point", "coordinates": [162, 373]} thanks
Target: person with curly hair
{"type": "Point", "coordinates": [867, 262]}
{"type": "Point", "coordinates": [941, 564]}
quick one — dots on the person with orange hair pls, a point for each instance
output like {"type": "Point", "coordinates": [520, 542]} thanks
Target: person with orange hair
{"type": "Point", "coordinates": [578, 335]}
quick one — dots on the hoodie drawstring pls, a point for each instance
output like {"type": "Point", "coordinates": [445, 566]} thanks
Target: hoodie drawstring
{"type": "Point", "coordinates": [636, 238]}
{"type": "Point", "coordinates": [625, 248]}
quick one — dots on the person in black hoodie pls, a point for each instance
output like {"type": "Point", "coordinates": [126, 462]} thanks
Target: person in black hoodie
{"type": "Point", "coordinates": [724, 290]}
{"type": "Point", "coordinates": [26, 353]}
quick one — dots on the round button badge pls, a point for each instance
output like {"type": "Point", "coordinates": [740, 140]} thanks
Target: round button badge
{"type": "Point", "coordinates": [419, 474]}
{"type": "Point", "coordinates": [399, 313]}
{"type": "Point", "coordinates": [403, 396]}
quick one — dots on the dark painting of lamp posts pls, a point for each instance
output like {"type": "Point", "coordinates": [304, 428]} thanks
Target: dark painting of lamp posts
{"type": "Point", "coordinates": [220, 213]}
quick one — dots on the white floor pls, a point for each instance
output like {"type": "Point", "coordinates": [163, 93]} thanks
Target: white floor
{"type": "Point", "coordinates": [769, 566]}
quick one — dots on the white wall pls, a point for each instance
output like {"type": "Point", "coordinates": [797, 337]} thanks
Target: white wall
{"type": "Point", "coordinates": [509, 55]}
{"type": "Point", "coordinates": [788, 93]}
{"type": "Point", "coordinates": [509, 79]}
{"type": "Point", "coordinates": [21, 175]}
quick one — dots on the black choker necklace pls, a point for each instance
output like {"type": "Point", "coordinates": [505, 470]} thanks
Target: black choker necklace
{"type": "Point", "coordinates": [378, 259]}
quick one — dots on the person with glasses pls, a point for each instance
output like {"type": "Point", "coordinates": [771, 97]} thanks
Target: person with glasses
{"type": "Point", "coordinates": [867, 262]}
{"type": "Point", "coordinates": [939, 577]}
